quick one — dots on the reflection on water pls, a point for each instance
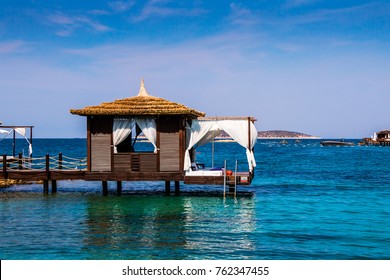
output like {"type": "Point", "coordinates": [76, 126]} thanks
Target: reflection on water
{"type": "Point", "coordinates": [158, 227]}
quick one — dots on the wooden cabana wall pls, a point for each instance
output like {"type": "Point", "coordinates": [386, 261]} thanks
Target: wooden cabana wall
{"type": "Point", "coordinates": [168, 158]}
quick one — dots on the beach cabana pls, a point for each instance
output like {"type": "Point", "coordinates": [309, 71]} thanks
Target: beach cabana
{"type": "Point", "coordinates": [383, 135]}
{"type": "Point", "coordinates": [173, 130]}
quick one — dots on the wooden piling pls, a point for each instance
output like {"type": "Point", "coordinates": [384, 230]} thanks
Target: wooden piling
{"type": "Point", "coordinates": [167, 187]}
{"type": "Point", "coordinates": [47, 166]}
{"type": "Point", "coordinates": [45, 186]}
{"type": "Point", "coordinates": [53, 186]}
{"type": "Point", "coordinates": [177, 188]}
{"type": "Point", "coordinates": [119, 187]}
{"type": "Point", "coordinates": [105, 188]}
{"type": "Point", "coordinates": [5, 166]}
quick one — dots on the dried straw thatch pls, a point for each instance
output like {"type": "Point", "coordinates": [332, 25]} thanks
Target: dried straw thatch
{"type": "Point", "coordinates": [142, 104]}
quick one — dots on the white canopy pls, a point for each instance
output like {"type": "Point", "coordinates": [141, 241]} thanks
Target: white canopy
{"type": "Point", "coordinates": [5, 131]}
{"type": "Point", "coordinates": [21, 131]}
{"type": "Point", "coordinates": [122, 128]}
{"type": "Point", "coordinates": [203, 131]}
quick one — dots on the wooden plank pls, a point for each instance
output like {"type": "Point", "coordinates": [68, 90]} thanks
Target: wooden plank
{"type": "Point", "coordinates": [216, 180]}
{"type": "Point", "coordinates": [148, 163]}
{"type": "Point", "coordinates": [27, 175]}
{"type": "Point", "coordinates": [101, 140]}
{"type": "Point", "coordinates": [122, 162]}
{"type": "Point", "coordinates": [203, 180]}
{"type": "Point", "coordinates": [134, 176]}
{"type": "Point", "coordinates": [89, 143]}
{"type": "Point", "coordinates": [101, 152]}
{"type": "Point", "coordinates": [68, 175]}
{"type": "Point", "coordinates": [169, 152]}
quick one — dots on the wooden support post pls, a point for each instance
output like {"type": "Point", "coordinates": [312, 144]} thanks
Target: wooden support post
{"type": "Point", "coordinates": [53, 186]}
{"type": "Point", "coordinates": [60, 161]}
{"type": "Point", "coordinates": [31, 140]}
{"type": "Point", "coordinates": [45, 186]}
{"type": "Point", "coordinates": [119, 187]}
{"type": "Point", "coordinates": [5, 166]}
{"type": "Point", "coordinates": [167, 187]}
{"type": "Point", "coordinates": [177, 188]}
{"type": "Point", "coordinates": [20, 161]}
{"type": "Point", "coordinates": [105, 188]}
{"type": "Point", "coordinates": [14, 143]}
{"type": "Point", "coordinates": [47, 166]}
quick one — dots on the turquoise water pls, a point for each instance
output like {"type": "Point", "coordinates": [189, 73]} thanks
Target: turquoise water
{"type": "Point", "coordinates": [309, 202]}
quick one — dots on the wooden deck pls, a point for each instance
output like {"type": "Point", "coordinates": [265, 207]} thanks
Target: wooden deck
{"type": "Point", "coordinates": [53, 169]}
{"type": "Point", "coordinates": [371, 142]}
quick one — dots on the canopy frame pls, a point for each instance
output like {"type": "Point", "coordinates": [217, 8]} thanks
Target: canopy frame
{"type": "Point", "coordinates": [14, 129]}
{"type": "Point", "coordinates": [202, 131]}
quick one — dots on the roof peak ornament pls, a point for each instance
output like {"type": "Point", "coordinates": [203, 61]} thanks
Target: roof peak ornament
{"type": "Point", "coordinates": [142, 90]}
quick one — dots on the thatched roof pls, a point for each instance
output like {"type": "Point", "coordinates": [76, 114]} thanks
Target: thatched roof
{"type": "Point", "coordinates": [142, 104]}
{"type": "Point", "coordinates": [383, 132]}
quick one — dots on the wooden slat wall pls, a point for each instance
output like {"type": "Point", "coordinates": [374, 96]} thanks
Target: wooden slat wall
{"type": "Point", "coordinates": [169, 151]}
{"type": "Point", "coordinates": [148, 162]}
{"type": "Point", "coordinates": [122, 162]}
{"type": "Point", "coordinates": [101, 130]}
{"type": "Point", "coordinates": [101, 152]}
{"type": "Point", "coordinates": [135, 162]}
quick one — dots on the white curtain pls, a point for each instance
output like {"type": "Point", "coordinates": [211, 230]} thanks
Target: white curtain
{"type": "Point", "coordinates": [199, 132]}
{"type": "Point", "coordinates": [214, 132]}
{"type": "Point", "coordinates": [149, 128]}
{"type": "Point", "coordinates": [238, 130]}
{"type": "Point", "coordinates": [22, 131]}
{"type": "Point", "coordinates": [203, 131]}
{"type": "Point", "coordinates": [121, 130]}
{"type": "Point", "coordinates": [3, 131]}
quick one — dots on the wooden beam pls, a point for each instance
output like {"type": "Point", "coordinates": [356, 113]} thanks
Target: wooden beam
{"type": "Point", "coordinates": [105, 188]}
{"type": "Point", "coordinates": [177, 188]}
{"type": "Point", "coordinates": [14, 144]}
{"type": "Point", "coordinates": [119, 187]}
{"type": "Point", "coordinates": [89, 143]}
{"type": "Point", "coordinates": [53, 186]}
{"type": "Point", "coordinates": [45, 186]}
{"type": "Point", "coordinates": [167, 187]}
{"type": "Point", "coordinates": [5, 166]}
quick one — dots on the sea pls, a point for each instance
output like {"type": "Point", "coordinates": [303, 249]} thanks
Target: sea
{"type": "Point", "coordinates": [306, 202]}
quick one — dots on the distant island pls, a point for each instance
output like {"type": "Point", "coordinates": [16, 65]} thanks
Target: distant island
{"type": "Point", "coordinates": [269, 134]}
{"type": "Point", "coordinates": [284, 134]}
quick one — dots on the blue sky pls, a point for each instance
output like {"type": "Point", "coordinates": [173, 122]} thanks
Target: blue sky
{"type": "Point", "coordinates": [318, 67]}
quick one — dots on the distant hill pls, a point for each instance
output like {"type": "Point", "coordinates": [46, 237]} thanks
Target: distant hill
{"type": "Point", "coordinates": [273, 134]}
{"type": "Point", "coordinates": [283, 134]}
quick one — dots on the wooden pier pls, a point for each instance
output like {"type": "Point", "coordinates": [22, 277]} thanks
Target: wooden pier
{"type": "Point", "coordinates": [371, 142]}
{"type": "Point", "coordinates": [49, 170]}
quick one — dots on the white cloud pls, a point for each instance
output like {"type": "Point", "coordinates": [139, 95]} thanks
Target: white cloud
{"type": "Point", "coordinates": [121, 6]}
{"type": "Point", "coordinates": [242, 16]}
{"type": "Point", "coordinates": [15, 46]}
{"type": "Point", "coordinates": [68, 24]}
{"type": "Point", "coordinates": [299, 3]}
{"type": "Point", "coordinates": [161, 8]}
